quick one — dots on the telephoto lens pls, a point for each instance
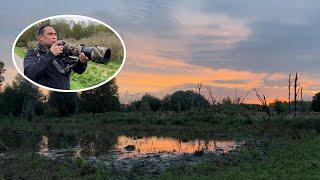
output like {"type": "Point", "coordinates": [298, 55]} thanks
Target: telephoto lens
{"type": "Point", "coordinates": [98, 54]}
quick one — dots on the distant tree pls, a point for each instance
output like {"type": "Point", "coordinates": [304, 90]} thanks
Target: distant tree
{"type": "Point", "coordinates": [63, 29]}
{"type": "Point", "coordinates": [2, 70]}
{"type": "Point", "coordinates": [154, 102]}
{"type": "Point", "coordinates": [102, 99]}
{"type": "Point", "coordinates": [226, 101]}
{"type": "Point", "coordinates": [279, 106]}
{"type": "Point", "coordinates": [77, 31]}
{"type": "Point", "coordinates": [184, 100]}
{"type": "Point", "coordinates": [30, 34]}
{"type": "Point", "coordinates": [305, 106]}
{"type": "Point", "coordinates": [21, 98]}
{"type": "Point", "coordinates": [315, 104]}
{"type": "Point", "coordinates": [147, 103]}
{"type": "Point", "coordinates": [7, 101]}
{"type": "Point", "coordinates": [144, 106]}
{"type": "Point", "coordinates": [135, 105]}
{"type": "Point", "coordinates": [165, 103]}
{"type": "Point", "coordinates": [64, 103]}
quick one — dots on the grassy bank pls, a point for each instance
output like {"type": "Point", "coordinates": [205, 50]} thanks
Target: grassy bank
{"type": "Point", "coordinates": [94, 74]}
{"type": "Point", "coordinates": [21, 52]}
{"type": "Point", "coordinates": [283, 147]}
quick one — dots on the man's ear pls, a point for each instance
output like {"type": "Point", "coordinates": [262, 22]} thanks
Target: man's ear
{"type": "Point", "coordinates": [39, 37]}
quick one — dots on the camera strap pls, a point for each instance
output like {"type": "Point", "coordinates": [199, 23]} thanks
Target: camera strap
{"type": "Point", "coordinates": [59, 67]}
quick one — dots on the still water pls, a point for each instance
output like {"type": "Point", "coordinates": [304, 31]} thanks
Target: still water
{"type": "Point", "coordinates": [118, 147]}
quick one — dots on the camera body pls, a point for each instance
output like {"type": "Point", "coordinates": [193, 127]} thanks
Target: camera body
{"type": "Point", "coordinates": [98, 54]}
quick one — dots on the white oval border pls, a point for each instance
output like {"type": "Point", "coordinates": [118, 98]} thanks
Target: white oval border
{"type": "Point", "coordinates": [70, 16]}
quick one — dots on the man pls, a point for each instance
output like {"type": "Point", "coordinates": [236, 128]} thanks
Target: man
{"type": "Point", "coordinates": [46, 64]}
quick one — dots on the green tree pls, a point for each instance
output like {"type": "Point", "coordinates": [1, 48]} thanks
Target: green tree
{"type": "Point", "coordinates": [147, 102]}
{"type": "Point", "coordinates": [153, 102]}
{"type": "Point", "coordinates": [21, 98]}
{"type": "Point", "coordinates": [279, 106]}
{"type": "Point", "coordinates": [30, 34]}
{"type": "Point", "coordinates": [226, 101]}
{"type": "Point", "coordinates": [102, 99]}
{"type": "Point", "coordinates": [184, 100]}
{"type": "Point", "coordinates": [144, 106]}
{"type": "Point", "coordinates": [2, 70]}
{"type": "Point", "coordinates": [77, 31]}
{"type": "Point", "coordinates": [63, 29]}
{"type": "Point", "coordinates": [64, 103]}
{"type": "Point", "coordinates": [315, 104]}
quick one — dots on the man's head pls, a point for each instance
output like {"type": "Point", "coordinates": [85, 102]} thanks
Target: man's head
{"type": "Point", "coordinates": [47, 35]}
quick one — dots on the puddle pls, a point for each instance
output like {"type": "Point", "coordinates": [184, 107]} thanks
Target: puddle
{"type": "Point", "coordinates": [116, 148]}
{"type": "Point", "coordinates": [161, 145]}
{"type": "Point", "coordinates": [121, 152]}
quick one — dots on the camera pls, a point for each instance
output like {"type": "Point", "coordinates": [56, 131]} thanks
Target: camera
{"type": "Point", "coordinates": [98, 54]}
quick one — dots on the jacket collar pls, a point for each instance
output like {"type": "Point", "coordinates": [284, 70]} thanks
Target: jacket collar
{"type": "Point", "coordinates": [42, 48]}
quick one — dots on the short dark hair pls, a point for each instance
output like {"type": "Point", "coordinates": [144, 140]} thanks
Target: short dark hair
{"type": "Point", "coordinates": [41, 29]}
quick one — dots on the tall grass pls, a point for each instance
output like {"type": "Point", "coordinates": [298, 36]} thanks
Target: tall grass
{"type": "Point", "coordinates": [106, 39]}
{"type": "Point", "coordinates": [21, 52]}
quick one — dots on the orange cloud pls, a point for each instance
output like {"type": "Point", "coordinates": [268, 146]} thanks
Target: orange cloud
{"type": "Point", "coordinates": [159, 74]}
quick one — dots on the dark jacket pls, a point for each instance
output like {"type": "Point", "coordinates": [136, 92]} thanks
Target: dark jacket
{"type": "Point", "coordinates": [41, 66]}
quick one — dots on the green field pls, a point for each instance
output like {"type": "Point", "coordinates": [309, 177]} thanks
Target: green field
{"type": "Point", "coordinates": [94, 74]}
{"type": "Point", "coordinates": [20, 52]}
{"type": "Point", "coordinates": [280, 147]}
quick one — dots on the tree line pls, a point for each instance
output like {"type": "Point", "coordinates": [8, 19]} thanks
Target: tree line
{"type": "Point", "coordinates": [64, 30]}
{"type": "Point", "coordinates": [24, 99]}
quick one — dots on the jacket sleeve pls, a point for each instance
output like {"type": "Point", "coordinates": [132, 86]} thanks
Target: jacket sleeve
{"type": "Point", "coordinates": [79, 67]}
{"type": "Point", "coordinates": [34, 65]}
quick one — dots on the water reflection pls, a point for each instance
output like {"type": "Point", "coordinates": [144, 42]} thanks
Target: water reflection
{"type": "Point", "coordinates": [118, 147]}
{"type": "Point", "coordinates": [43, 146]}
{"type": "Point", "coordinates": [153, 145]}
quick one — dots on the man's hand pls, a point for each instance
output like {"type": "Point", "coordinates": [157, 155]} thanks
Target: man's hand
{"type": "Point", "coordinates": [83, 58]}
{"type": "Point", "coordinates": [56, 49]}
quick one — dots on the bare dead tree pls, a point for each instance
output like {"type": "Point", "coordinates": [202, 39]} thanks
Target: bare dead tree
{"type": "Point", "coordinates": [301, 94]}
{"type": "Point", "coordinates": [263, 101]}
{"type": "Point", "coordinates": [236, 98]}
{"type": "Point", "coordinates": [245, 96]}
{"type": "Point", "coordinates": [301, 102]}
{"type": "Point", "coordinates": [212, 97]}
{"type": "Point", "coordinates": [199, 87]}
{"type": "Point", "coordinates": [296, 92]}
{"type": "Point", "coordinates": [289, 88]}
{"type": "Point", "coordinates": [219, 99]}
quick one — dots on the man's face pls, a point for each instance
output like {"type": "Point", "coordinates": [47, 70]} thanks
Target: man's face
{"type": "Point", "coordinates": [48, 37]}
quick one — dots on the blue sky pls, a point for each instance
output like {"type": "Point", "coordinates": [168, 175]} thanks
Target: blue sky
{"type": "Point", "coordinates": [231, 45]}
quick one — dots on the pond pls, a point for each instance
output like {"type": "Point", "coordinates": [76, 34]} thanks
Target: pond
{"type": "Point", "coordinates": [122, 152]}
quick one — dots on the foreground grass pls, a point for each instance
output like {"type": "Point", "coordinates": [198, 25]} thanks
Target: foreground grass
{"type": "Point", "coordinates": [275, 158]}
{"type": "Point", "coordinates": [283, 147]}
{"type": "Point", "coordinates": [21, 52]}
{"type": "Point", "coordinates": [94, 74]}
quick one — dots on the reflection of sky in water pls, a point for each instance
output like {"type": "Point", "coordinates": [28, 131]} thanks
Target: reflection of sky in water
{"type": "Point", "coordinates": [143, 146]}
{"type": "Point", "coordinates": [153, 145]}
{"type": "Point", "coordinates": [43, 145]}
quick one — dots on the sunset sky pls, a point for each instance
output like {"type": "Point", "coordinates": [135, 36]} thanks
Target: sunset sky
{"type": "Point", "coordinates": [172, 45]}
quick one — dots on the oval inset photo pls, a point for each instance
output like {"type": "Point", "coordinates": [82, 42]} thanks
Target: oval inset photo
{"type": "Point", "coordinates": [69, 53]}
